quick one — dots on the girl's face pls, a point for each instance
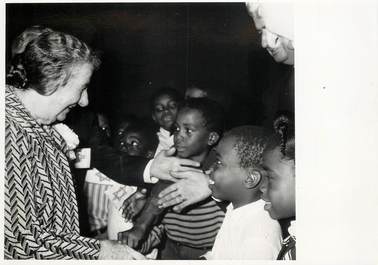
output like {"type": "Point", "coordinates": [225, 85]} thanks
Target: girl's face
{"type": "Point", "coordinates": [165, 111]}
{"type": "Point", "coordinates": [279, 187]}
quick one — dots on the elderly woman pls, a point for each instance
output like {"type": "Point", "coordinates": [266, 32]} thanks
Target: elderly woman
{"type": "Point", "coordinates": [48, 78]}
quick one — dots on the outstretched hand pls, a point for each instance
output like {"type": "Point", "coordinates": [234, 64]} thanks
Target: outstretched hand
{"type": "Point", "coordinates": [165, 163]}
{"type": "Point", "coordinates": [192, 187]}
{"type": "Point", "coordinates": [132, 206]}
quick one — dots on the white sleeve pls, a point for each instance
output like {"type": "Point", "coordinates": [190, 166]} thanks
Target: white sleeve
{"type": "Point", "coordinates": [146, 174]}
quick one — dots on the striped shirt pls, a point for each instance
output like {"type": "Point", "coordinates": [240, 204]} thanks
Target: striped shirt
{"type": "Point", "coordinates": [197, 227]}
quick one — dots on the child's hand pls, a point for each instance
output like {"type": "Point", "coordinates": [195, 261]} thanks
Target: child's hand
{"type": "Point", "coordinates": [132, 237]}
{"type": "Point", "coordinates": [134, 204]}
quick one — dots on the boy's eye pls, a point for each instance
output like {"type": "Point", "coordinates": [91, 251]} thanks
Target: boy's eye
{"type": "Point", "coordinates": [159, 109]}
{"type": "Point", "coordinates": [176, 129]}
{"type": "Point", "coordinates": [189, 131]}
{"type": "Point", "coordinates": [134, 143]}
{"type": "Point", "coordinates": [172, 106]}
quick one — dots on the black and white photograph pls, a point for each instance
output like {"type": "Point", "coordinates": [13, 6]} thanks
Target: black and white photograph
{"type": "Point", "coordinates": [167, 130]}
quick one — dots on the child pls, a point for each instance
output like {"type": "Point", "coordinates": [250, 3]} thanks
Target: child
{"type": "Point", "coordinates": [191, 233]}
{"type": "Point", "coordinates": [164, 106]}
{"type": "Point", "coordinates": [279, 190]}
{"type": "Point", "coordinates": [247, 231]}
{"type": "Point", "coordinates": [138, 140]}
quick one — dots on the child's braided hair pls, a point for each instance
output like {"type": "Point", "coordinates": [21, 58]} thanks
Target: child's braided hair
{"type": "Point", "coordinates": [283, 137]}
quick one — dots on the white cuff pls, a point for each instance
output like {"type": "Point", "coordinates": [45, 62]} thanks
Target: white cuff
{"type": "Point", "coordinates": [146, 174]}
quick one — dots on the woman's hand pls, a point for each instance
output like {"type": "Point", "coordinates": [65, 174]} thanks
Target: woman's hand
{"type": "Point", "coordinates": [192, 187]}
{"type": "Point", "coordinates": [134, 204]}
{"type": "Point", "coordinates": [165, 163]}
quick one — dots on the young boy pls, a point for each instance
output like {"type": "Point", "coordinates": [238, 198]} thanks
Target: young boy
{"type": "Point", "coordinates": [279, 190]}
{"type": "Point", "coordinates": [247, 231]}
{"type": "Point", "coordinates": [164, 107]}
{"type": "Point", "coordinates": [191, 233]}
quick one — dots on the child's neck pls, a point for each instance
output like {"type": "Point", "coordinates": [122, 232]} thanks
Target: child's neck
{"type": "Point", "coordinates": [245, 198]}
{"type": "Point", "coordinates": [199, 158]}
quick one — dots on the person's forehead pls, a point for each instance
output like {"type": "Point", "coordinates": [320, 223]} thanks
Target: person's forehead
{"type": "Point", "coordinates": [164, 98]}
{"type": "Point", "coordinates": [192, 116]}
{"type": "Point", "coordinates": [278, 18]}
{"type": "Point", "coordinates": [226, 146]}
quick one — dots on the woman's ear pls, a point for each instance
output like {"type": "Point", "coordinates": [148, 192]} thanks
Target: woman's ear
{"type": "Point", "coordinates": [213, 138]}
{"type": "Point", "coordinates": [252, 178]}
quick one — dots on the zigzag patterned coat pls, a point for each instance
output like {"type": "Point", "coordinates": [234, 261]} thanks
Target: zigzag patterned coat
{"type": "Point", "coordinates": [41, 216]}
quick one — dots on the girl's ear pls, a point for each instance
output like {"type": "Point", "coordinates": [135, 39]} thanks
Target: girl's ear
{"type": "Point", "coordinates": [252, 178]}
{"type": "Point", "coordinates": [213, 138]}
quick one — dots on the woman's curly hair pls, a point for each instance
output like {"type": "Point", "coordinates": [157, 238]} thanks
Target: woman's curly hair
{"type": "Point", "coordinates": [47, 62]}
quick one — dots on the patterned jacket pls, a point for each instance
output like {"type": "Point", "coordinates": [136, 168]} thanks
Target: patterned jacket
{"type": "Point", "coordinates": [41, 215]}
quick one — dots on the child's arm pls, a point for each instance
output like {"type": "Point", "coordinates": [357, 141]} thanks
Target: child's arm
{"type": "Point", "coordinates": [132, 206]}
{"type": "Point", "coordinates": [153, 240]}
{"type": "Point", "coordinates": [149, 216]}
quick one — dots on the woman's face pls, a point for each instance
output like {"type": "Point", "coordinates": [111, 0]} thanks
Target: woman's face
{"type": "Point", "coordinates": [67, 97]}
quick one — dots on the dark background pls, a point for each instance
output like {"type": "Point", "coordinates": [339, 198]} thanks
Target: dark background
{"type": "Point", "coordinates": [148, 45]}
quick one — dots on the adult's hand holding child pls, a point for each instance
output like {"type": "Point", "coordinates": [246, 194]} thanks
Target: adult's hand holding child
{"type": "Point", "coordinates": [191, 186]}
{"type": "Point", "coordinates": [165, 163]}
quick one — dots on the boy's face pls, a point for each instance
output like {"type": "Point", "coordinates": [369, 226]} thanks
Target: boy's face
{"type": "Point", "coordinates": [226, 178]}
{"type": "Point", "coordinates": [133, 144]}
{"type": "Point", "coordinates": [165, 111]}
{"type": "Point", "coordinates": [191, 137]}
{"type": "Point", "coordinates": [279, 189]}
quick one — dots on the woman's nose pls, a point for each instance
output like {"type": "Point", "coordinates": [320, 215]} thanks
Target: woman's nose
{"type": "Point", "coordinates": [83, 102]}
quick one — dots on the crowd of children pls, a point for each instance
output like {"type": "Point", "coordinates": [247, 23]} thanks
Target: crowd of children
{"type": "Point", "coordinates": [251, 176]}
